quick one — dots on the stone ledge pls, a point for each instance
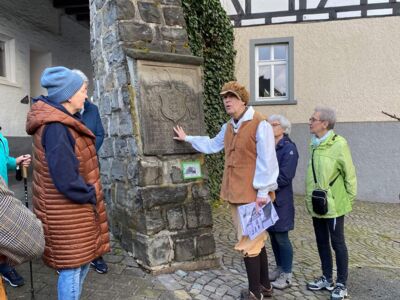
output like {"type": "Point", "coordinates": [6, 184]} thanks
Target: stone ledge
{"type": "Point", "coordinates": [212, 262]}
{"type": "Point", "coordinates": [164, 57]}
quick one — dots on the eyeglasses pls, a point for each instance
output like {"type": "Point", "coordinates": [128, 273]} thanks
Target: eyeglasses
{"type": "Point", "coordinates": [231, 96]}
{"type": "Point", "coordinates": [312, 120]}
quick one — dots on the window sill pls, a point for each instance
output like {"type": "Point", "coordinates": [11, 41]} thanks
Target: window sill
{"type": "Point", "coordinates": [274, 102]}
{"type": "Point", "coordinates": [5, 81]}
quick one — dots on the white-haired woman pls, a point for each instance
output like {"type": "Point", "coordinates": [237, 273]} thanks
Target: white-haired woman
{"type": "Point", "coordinates": [91, 118]}
{"type": "Point", "coordinates": [331, 176]}
{"type": "Point", "coordinates": [287, 156]}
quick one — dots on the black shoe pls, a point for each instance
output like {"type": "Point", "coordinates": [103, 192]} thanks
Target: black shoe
{"type": "Point", "coordinates": [99, 265]}
{"type": "Point", "coordinates": [13, 278]}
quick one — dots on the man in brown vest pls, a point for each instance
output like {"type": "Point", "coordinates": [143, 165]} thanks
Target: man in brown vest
{"type": "Point", "coordinates": [250, 174]}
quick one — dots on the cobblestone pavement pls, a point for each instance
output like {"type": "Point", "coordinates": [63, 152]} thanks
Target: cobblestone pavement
{"type": "Point", "coordinates": [373, 239]}
{"type": "Point", "coordinates": [125, 280]}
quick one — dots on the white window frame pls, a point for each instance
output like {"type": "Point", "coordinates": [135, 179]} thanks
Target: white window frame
{"type": "Point", "coordinates": [9, 55]}
{"type": "Point", "coordinates": [254, 71]}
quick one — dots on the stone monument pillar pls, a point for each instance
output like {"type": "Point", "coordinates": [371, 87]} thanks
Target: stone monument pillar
{"type": "Point", "coordinates": [147, 81]}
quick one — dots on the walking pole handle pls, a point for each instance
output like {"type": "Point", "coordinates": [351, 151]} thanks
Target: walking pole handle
{"type": "Point", "coordinates": [24, 172]}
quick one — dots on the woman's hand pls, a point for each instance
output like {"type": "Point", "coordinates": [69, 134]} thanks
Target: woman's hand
{"type": "Point", "coordinates": [181, 135]}
{"type": "Point", "coordinates": [24, 160]}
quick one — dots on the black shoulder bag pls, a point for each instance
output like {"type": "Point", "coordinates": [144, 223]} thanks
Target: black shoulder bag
{"type": "Point", "coordinates": [319, 197]}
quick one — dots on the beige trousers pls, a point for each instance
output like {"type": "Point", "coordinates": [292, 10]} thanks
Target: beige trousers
{"type": "Point", "coordinates": [248, 248]}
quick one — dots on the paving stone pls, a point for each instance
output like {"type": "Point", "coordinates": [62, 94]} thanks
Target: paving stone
{"type": "Point", "coordinates": [182, 295]}
{"type": "Point", "coordinates": [181, 273]}
{"type": "Point", "coordinates": [194, 292]}
{"type": "Point", "coordinates": [197, 286]}
{"type": "Point", "coordinates": [113, 259]}
{"type": "Point", "coordinates": [209, 288]}
{"type": "Point", "coordinates": [169, 282]}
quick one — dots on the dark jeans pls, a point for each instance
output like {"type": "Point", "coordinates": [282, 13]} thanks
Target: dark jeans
{"type": "Point", "coordinates": [283, 250]}
{"type": "Point", "coordinates": [325, 229]}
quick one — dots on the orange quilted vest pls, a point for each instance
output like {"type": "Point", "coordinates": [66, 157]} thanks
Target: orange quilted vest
{"type": "Point", "coordinates": [75, 233]}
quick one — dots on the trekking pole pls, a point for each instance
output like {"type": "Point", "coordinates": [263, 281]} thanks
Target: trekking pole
{"type": "Point", "coordinates": [25, 176]}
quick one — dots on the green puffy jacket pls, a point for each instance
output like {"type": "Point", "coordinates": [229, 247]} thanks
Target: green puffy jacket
{"type": "Point", "coordinates": [6, 161]}
{"type": "Point", "coordinates": [332, 158]}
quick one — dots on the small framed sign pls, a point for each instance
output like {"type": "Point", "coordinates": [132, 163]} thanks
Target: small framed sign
{"type": "Point", "coordinates": [191, 169]}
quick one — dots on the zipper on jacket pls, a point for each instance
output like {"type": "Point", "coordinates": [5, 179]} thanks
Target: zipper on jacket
{"type": "Point", "coordinates": [96, 214]}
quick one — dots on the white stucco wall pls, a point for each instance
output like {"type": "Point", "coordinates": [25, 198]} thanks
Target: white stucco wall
{"type": "Point", "coordinates": [351, 65]}
{"type": "Point", "coordinates": [41, 28]}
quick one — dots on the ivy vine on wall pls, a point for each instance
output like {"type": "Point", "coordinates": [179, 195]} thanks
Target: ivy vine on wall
{"type": "Point", "coordinates": [211, 36]}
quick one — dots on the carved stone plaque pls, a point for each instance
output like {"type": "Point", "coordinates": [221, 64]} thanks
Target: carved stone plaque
{"type": "Point", "coordinates": [170, 94]}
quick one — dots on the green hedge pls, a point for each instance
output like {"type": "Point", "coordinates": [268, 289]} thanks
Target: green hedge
{"type": "Point", "coordinates": [211, 36]}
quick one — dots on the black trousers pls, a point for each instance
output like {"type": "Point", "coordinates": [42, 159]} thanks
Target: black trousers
{"type": "Point", "coordinates": [332, 230]}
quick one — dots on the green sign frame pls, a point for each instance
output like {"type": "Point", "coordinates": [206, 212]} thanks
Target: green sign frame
{"type": "Point", "coordinates": [191, 170]}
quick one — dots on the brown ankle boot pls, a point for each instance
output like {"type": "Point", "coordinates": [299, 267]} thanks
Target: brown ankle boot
{"type": "Point", "coordinates": [266, 292]}
{"type": "Point", "coordinates": [247, 295]}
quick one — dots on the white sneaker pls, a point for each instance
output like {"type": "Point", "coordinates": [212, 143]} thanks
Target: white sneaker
{"type": "Point", "coordinates": [274, 274]}
{"type": "Point", "coordinates": [320, 283]}
{"type": "Point", "coordinates": [339, 292]}
{"type": "Point", "coordinates": [284, 281]}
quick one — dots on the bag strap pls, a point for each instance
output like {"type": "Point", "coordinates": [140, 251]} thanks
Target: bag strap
{"type": "Point", "coordinates": [312, 166]}
{"type": "Point", "coordinates": [313, 169]}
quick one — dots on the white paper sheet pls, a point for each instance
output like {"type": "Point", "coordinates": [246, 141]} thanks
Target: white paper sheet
{"type": "Point", "coordinates": [254, 223]}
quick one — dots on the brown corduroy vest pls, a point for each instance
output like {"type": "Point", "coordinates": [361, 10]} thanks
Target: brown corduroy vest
{"type": "Point", "coordinates": [75, 233]}
{"type": "Point", "coordinates": [240, 162]}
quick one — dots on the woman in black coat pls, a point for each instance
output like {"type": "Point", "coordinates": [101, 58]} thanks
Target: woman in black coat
{"type": "Point", "coordinates": [287, 156]}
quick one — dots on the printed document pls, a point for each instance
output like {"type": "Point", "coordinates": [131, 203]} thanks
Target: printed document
{"type": "Point", "coordinates": [254, 223]}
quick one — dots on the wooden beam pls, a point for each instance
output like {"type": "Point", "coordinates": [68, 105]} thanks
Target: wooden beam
{"type": "Point", "coordinates": [322, 3]}
{"type": "Point", "coordinates": [363, 3]}
{"type": "Point", "coordinates": [321, 10]}
{"type": "Point", "coordinates": [248, 7]}
{"type": "Point", "coordinates": [70, 3]}
{"type": "Point", "coordinates": [291, 5]}
{"type": "Point", "coordinates": [238, 7]}
{"type": "Point", "coordinates": [303, 4]}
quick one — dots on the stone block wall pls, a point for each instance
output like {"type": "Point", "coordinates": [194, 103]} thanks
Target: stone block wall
{"type": "Point", "coordinates": [164, 221]}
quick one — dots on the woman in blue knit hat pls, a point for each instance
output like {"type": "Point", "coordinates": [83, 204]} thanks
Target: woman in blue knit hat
{"type": "Point", "coordinates": [67, 193]}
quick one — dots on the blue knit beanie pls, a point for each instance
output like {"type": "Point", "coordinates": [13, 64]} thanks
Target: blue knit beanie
{"type": "Point", "coordinates": [61, 83]}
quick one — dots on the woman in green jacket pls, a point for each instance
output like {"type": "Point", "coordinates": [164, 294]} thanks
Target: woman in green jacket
{"type": "Point", "coordinates": [8, 163]}
{"type": "Point", "coordinates": [330, 169]}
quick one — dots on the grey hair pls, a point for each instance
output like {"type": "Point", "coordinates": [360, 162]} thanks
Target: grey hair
{"type": "Point", "coordinates": [285, 123]}
{"type": "Point", "coordinates": [80, 73]}
{"type": "Point", "coordinates": [327, 114]}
